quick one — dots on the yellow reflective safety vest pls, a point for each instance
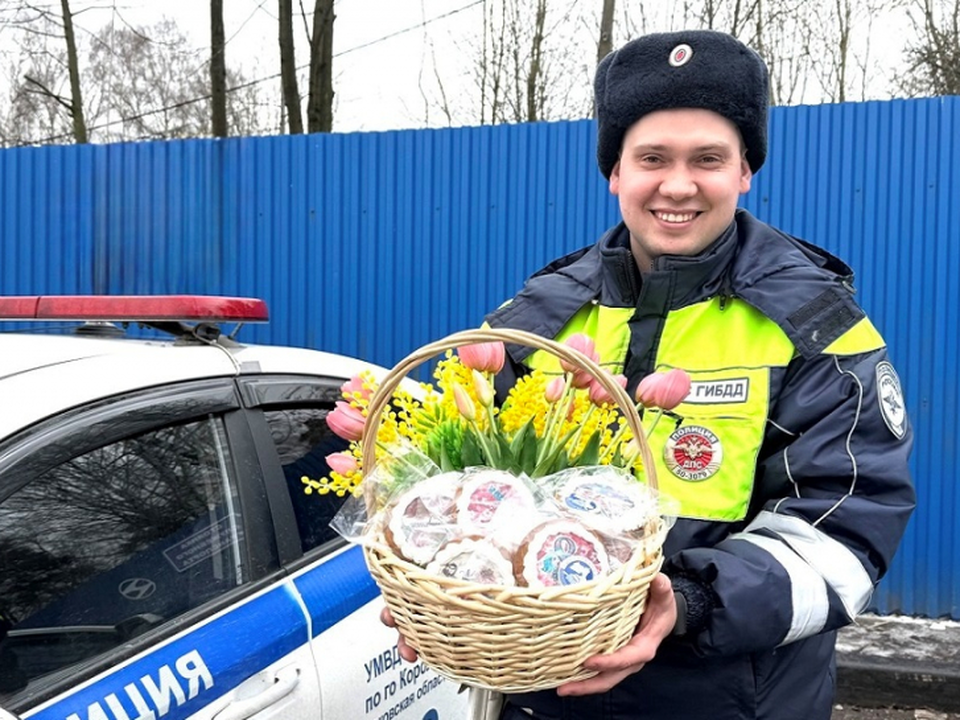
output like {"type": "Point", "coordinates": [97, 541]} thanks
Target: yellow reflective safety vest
{"type": "Point", "coordinates": [707, 461]}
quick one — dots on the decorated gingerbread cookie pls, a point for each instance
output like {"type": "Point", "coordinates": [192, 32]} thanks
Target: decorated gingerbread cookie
{"type": "Point", "coordinates": [560, 552]}
{"type": "Point", "coordinates": [494, 502]}
{"type": "Point", "coordinates": [424, 517]}
{"type": "Point", "coordinates": [478, 560]}
{"type": "Point", "coordinates": [608, 500]}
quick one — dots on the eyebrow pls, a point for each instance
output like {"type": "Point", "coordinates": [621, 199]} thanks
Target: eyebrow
{"type": "Point", "coordinates": [708, 147]}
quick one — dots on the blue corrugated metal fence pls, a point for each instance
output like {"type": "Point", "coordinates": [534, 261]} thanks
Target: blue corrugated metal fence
{"type": "Point", "coordinates": [374, 244]}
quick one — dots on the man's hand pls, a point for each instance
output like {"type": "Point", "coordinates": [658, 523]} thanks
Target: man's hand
{"type": "Point", "coordinates": [406, 652]}
{"type": "Point", "coordinates": [657, 622]}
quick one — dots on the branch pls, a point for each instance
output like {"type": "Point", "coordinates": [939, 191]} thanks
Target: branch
{"type": "Point", "coordinates": [44, 90]}
{"type": "Point", "coordinates": [41, 14]}
{"type": "Point", "coordinates": [444, 103]}
{"type": "Point", "coordinates": [41, 33]}
{"type": "Point", "coordinates": [306, 26]}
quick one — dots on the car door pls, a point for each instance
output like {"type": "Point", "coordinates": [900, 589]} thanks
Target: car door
{"type": "Point", "coordinates": [139, 573]}
{"type": "Point", "coordinates": [360, 672]}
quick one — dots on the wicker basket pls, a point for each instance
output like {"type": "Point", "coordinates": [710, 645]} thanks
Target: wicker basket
{"type": "Point", "coordinates": [511, 639]}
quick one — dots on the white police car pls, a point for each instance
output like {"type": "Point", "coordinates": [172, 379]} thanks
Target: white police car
{"type": "Point", "coordinates": [158, 557]}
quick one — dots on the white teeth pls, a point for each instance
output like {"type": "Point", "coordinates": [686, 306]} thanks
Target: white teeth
{"type": "Point", "coordinates": [675, 217]}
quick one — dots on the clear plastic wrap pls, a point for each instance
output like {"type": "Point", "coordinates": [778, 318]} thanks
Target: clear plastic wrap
{"type": "Point", "coordinates": [491, 526]}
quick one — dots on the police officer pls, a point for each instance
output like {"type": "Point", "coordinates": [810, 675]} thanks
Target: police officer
{"type": "Point", "coordinates": [790, 462]}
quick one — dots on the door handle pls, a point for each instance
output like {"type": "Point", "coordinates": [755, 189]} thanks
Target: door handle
{"type": "Point", "coordinates": [284, 682]}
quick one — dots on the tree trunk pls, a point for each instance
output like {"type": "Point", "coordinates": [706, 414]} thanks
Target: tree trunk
{"type": "Point", "coordinates": [605, 44]}
{"type": "Point", "coordinates": [218, 71]}
{"type": "Point", "coordinates": [844, 13]}
{"type": "Point", "coordinates": [288, 68]}
{"type": "Point", "coordinates": [76, 99]}
{"type": "Point", "coordinates": [535, 70]}
{"type": "Point", "coordinates": [320, 103]}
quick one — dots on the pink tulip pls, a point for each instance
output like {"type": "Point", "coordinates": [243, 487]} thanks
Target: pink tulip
{"type": "Point", "coordinates": [346, 421]}
{"type": "Point", "coordinates": [599, 394]}
{"type": "Point", "coordinates": [584, 344]}
{"type": "Point", "coordinates": [646, 388]}
{"type": "Point", "coordinates": [486, 357]}
{"type": "Point", "coordinates": [581, 379]}
{"type": "Point", "coordinates": [355, 388]}
{"type": "Point", "coordinates": [464, 403]}
{"type": "Point", "coordinates": [342, 463]}
{"type": "Point", "coordinates": [554, 390]}
{"type": "Point", "coordinates": [664, 390]}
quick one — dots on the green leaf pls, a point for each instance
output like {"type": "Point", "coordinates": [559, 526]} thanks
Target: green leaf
{"type": "Point", "coordinates": [591, 451]}
{"type": "Point", "coordinates": [519, 438]}
{"type": "Point", "coordinates": [562, 463]}
{"type": "Point", "coordinates": [471, 452]}
{"type": "Point", "coordinates": [617, 459]}
{"type": "Point", "coordinates": [527, 457]}
{"type": "Point", "coordinates": [433, 447]}
{"type": "Point", "coordinates": [505, 458]}
{"type": "Point", "coordinates": [445, 464]}
{"type": "Point", "coordinates": [544, 467]}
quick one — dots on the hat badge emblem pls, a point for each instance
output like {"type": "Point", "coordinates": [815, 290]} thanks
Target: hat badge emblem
{"type": "Point", "coordinates": [680, 55]}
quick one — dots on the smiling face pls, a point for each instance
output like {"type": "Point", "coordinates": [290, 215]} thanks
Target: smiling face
{"type": "Point", "coordinates": [680, 175]}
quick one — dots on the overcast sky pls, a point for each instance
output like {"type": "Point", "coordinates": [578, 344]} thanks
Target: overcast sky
{"type": "Point", "coordinates": [385, 51]}
{"type": "Point", "coordinates": [379, 47]}
{"type": "Point", "coordinates": [383, 47]}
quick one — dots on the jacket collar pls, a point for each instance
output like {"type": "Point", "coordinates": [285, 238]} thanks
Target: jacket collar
{"type": "Point", "coordinates": [797, 285]}
{"type": "Point", "coordinates": [689, 277]}
{"type": "Point", "coordinates": [607, 273]}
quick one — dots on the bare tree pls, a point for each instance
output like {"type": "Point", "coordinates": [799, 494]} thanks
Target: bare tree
{"type": "Point", "coordinates": [218, 70]}
{"type": "Point", "coordinates": [605, 44]}
{"type": "Point", "coordinates": [933, 59]}
{"type": "Point", "coordinates": [838, 37]}
{"type": "Point", "coordinates": [73, 67]}
{"type": "Point", "coordinates": [40, 21]}
{"type": "Point", "coordinates": [524, 65]}
{"type": "Point", "coordinates": [536, 87]}
{"type": "Point", "coordinates": [143, 83]}
{"type": "Point", "coordinates": [830, 62]}
{"type": "Point", "coordinates": [843, 15]}
{"type": "Point", "coordinates": [138, 83]}
{"type": "Point", "coordinates": [320, 102]}
{"type": "Point", "coordinates": [492, 62]}
{"type": "Point", "coordinates": [28, 113]}
{"type": "Point", "coordinates": [783, 41]}
{"type": "Point", "coordinates": [288, 69]}
{"type": "Point", "coordinates": [730, 16]}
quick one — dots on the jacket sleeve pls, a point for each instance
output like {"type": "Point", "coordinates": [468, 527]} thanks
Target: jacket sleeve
{"type": "Point", "coordinates": [836, 451]}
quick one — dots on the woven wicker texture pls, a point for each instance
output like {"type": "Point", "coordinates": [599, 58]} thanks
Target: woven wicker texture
{"type": "Point", "coordinates": [511, 639]}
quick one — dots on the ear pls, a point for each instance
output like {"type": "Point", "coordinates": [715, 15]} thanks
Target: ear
{"type": "Point", "coordinates": [615, 179]}
{"type": "Point", "coordinates": [746, 175]}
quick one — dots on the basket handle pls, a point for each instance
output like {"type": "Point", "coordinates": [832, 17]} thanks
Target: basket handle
{"type": "Point", "coordinates": [381, 397]}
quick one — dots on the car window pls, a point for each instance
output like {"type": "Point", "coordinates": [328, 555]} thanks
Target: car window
{"type": "Point", "coordinates": [111, 543]}
{"type": "Point", "coordinates": [303, 440]}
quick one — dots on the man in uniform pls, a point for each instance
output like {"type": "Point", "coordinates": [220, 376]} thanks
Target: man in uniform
{"type": "Point", "coordinates": [790, 461]}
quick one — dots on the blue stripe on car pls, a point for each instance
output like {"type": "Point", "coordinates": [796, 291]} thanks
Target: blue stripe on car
{"type": "Point", "coordinates": [335, 589]}
{"type": "Point", "coordinates": [226, 651]}
{"type": "Point", "coordinates": [181, 677]}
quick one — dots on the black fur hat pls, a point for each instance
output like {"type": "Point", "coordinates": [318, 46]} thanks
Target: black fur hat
{"type": "Point", "coordinates": [691, 69]}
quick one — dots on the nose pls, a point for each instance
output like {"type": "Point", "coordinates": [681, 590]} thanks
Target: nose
{"type": "Point", "coordinates": [678, 182]}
